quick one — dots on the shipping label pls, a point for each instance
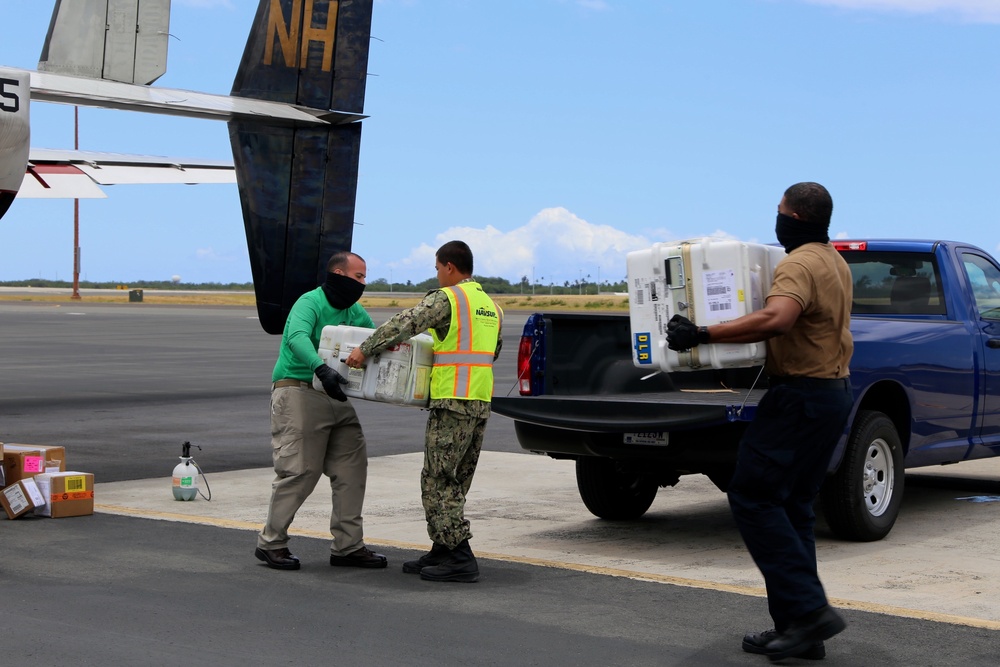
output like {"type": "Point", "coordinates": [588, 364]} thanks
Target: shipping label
{"type": "Point", "coordinates": [720, 295]}
{"type": "Point", "coordinates": [16, 499]}
{"type": "Point", "coordinates": [34, 464]}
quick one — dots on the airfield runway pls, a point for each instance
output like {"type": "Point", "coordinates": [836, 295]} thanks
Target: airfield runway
{"type": "Point", "coordinates": [148, 580]}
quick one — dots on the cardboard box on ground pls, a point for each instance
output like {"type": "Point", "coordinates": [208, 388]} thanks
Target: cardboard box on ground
{"type": "Point", "coordinates": [66, 494]}
{"type": "Point", "coordinates": [21, 461]}
{"type": "Point", "coordinates": [34, 477]}
{"type": "Point", "coordinates": [21, 497]}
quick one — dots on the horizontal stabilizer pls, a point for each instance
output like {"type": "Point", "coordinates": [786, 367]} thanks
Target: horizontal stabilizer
{"type": "Point", "coordinates": [58, 181]}
{"type": "Point", "coordinates": [64, 89]}
{"type": "Point", "coordinates": [71, 174]}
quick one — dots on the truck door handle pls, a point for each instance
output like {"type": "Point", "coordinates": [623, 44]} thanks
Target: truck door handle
{"type": "Point", "coordinates": [993, 342]}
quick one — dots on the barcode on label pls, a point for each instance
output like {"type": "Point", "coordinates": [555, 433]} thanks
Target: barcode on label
{"type": "Point", "coordinates": [76, 484]}
{"type": "Point", "coordinates": [712, 291]}
{"type": "Point", "coordinates": [720, 306]}
{"type": "Point", "coordinates": [640, 297]}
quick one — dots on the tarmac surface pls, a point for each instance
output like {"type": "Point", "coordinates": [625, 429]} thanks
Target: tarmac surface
{"type": "Point", "coordinates": [149, 580]}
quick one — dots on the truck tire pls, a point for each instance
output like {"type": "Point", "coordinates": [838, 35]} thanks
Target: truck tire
{"type": "Point", "coordinates": [861, 501]}
{"type": "Point", "coordinates": [612, 492]}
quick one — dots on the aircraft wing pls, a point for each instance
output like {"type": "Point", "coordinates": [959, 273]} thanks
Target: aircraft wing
{"type": "Point", "coordinates": [68, 174]}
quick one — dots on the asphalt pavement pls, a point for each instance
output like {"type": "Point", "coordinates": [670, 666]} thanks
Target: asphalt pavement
{"type": "Point", "coordinates": [122, 386]}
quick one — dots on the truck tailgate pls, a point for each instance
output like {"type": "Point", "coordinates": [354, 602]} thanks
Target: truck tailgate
{"type": "Point", "coordinates": [617, 413]}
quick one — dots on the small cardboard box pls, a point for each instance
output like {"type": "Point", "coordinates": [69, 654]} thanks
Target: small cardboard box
{"type": "Point", "coordinates": [54, 455]}
{"type": "Point", "coordinates": [20, 498]}
{"type": "Point", "coordinates": [65, 494]}
{"type": "Point", "coordinates": [21, 463]}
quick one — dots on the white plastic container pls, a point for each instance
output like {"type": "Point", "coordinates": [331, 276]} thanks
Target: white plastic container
{"type": "Point", "coordinates": [185, 480]}
{"type": "Point", "coordinates": [399, 375]}
{"type": "Point", "coordinates": [335, 343]}
{"type": "Point", "coordinates": [708, 281]}
{"type": "Point", "coordinates": [402, 373]}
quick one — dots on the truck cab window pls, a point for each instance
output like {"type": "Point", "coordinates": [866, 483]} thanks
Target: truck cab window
{"type": "Point", "coordinates": [895, 283]}
{"type": "Point", "coordinates": [984, 277]}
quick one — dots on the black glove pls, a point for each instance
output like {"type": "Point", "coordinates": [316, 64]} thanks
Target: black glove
{"type": "Point", "coordinates": [683, 334]}
{"type": "Point", "coordinates": [331, 380]}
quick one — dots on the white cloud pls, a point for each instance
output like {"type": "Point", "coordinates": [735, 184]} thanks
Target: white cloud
{"type": "Point", "coordinates": [210, 255]}
{"type": "Point", "coordinates": [598, 5]}
{"type": "Point", "coordinates": [975, 11]}
{"type": "Point", "coordinates": [555, 246]}
{"type": "Point", "coordinates": [590, 5]}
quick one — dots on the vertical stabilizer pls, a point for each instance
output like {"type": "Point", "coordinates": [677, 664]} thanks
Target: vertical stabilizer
{"type": "Point", "coordinates": [298, 185]}
{"type": "Point", "coordinates": [116, 40]}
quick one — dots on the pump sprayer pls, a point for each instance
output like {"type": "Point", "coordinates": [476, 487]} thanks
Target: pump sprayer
{"type": "Point", "coordinates": [185, 478]}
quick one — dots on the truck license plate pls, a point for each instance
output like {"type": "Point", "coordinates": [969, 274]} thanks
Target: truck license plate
{"type": "Point", "coordinates": [646, 438]}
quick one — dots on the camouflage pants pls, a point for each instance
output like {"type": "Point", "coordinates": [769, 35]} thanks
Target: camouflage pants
{"type": "Point", "coordinates": [451, 451]}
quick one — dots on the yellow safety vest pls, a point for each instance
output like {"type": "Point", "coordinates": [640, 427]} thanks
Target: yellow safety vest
{"type": "Point", "coordinates": [463, 359]}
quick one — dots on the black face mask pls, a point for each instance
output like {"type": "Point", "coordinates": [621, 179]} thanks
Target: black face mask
{"type": "Point", "coordinates": [341, 291]}
{"type": "Point", "coordinates": [792, 232]}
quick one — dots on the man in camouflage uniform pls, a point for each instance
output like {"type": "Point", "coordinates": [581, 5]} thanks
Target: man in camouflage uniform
{"type": "Point", "coordinates": [465, 324]}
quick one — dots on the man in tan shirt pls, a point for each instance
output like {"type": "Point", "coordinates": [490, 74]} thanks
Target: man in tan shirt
{"type": "Point", "coordinates": [786, 450]}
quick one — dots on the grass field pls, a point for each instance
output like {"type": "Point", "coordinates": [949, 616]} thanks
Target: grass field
{"type": "Point", "coordinates": [570, 302]}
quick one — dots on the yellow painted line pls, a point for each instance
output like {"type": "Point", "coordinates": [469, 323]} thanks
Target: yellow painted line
{"type": "Point", "coordinates": [174, 516]}
{"type": "Point", "coordinates": [752, 591]}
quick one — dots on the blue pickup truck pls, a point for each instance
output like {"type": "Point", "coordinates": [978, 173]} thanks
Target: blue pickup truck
{"type": "Point", "coordinates": [925, 373]}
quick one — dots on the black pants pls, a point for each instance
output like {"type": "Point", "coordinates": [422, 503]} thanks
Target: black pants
{"type": "Point", "coordinates": [782, 461]}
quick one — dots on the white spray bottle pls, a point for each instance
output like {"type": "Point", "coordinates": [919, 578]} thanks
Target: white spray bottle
{"type": "Point", "coordinates": [186, 475]}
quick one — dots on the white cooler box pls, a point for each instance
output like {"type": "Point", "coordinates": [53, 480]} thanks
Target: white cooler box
{"type": "Point", "coordinates": [706, 280]}
{"type": "Point", "coordinates": [335, 343]}
{"type": "Point", "coordinates": [399, 375]}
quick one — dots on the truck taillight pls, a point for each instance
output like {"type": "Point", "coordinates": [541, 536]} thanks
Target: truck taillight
{"type": "Point", "coordinates": [524, 366]}
{"type": "Point", "coordinates": [850, 245]}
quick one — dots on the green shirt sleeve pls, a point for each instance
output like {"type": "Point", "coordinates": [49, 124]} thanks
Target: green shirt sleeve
{"type": "Point", "coordinates": [299, 330]}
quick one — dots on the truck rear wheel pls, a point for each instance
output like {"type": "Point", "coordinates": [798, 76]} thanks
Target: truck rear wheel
{"type": "Point", "coordinates": [861, 501]}
{"type": "Point", "coordinates": [611, 491]}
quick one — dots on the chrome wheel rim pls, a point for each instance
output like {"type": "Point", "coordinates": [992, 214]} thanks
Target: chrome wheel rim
{"type": "Point", "coordinates": [878, 477]}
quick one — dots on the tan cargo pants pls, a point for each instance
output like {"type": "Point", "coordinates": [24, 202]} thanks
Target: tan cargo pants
{"type": "Point", "coordinates": [313, 435]}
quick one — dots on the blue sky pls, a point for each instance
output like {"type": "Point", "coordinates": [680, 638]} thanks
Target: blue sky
{"type": "Point", "coordinates": [555, 136]}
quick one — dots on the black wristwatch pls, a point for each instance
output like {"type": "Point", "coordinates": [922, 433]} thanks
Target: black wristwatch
{"type": "Point", "coordinates": [702, 335]}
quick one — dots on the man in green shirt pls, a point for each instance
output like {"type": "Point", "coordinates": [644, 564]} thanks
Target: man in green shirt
{"type": "Point", "coordinates": [318, 432]}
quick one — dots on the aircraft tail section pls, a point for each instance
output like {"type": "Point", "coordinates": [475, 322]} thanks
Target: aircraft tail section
{"type": "Point", "coordinates": [115, 40]}
{"type": "Point", "coordinates": [15, 88]}
{"type": "Point", "coordinates": [297, 183]}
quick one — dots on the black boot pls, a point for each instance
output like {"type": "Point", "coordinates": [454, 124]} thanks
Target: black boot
{"type": "Point", "coordinates": [459, 565]}
{"type": "Point", "coordinates": [438, 554]}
